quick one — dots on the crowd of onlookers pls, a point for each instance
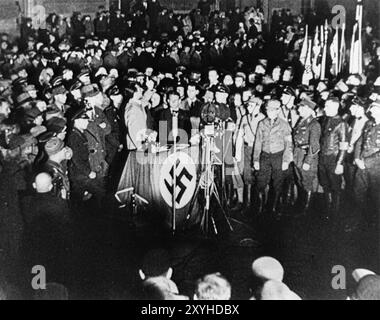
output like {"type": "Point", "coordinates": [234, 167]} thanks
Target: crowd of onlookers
{"type": "Point", "coordinates": [78, 96]}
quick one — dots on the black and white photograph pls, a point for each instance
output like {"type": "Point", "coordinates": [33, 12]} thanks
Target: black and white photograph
{"type": "Point", "coordinates": [189, 150]}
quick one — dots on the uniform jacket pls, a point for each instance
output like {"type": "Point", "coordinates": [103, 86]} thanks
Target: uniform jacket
{"type": "Point", "coordinates": [79, 168]}
{"type": "Point", "coordinates": [307, 135]}
{"type": "Point", "coordinates": [334, 140]}
{"type": "Point", "coordinates": [368, 144]}
{"type": "Point", "coordinates": [60, 177]}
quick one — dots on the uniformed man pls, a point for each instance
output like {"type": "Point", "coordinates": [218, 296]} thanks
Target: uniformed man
{"type": "Point", "coordinates": [334, 145]}
{"type": "Point", "coordinates": [56, 166]}
{"type": "Point", "coordinates": [367, 158]}
{"type": "Point", "coordinates": [249, 117]}
{"type": "Point", "coordinates": [86, 181]}
{"type": "Point", "coordinates": [289, 114]}
{"type": "Point", "coordinates": [306, 139]}
{"type": "Point", "coordinates": [59, 94]}
{"type": "Point", "coordinates": [273, 152]}
{"type": "Point", "coordinates": [355, 130]}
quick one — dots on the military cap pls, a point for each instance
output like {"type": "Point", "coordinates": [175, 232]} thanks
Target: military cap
{"type": "Point", "coordinates": [114, 91]}
{"type": "Point", "coordinates": [53, 146]}
{"type": "Point", "coordinates": [377, 82]}
{"type": "Point", "coordinates": [289, 91]}
{"type": "Point", "coordinates": [101, 72]}
{"type": "Point", "coordinates": [57, 81]}
{"type": "Point", "coordinates": [83, 73]}
{"type": "Point", "coordinates": [77, 85]}
{"type": "Point", "coordinates": [89, 91]}
{"type": "Point", "coordinates": [19, 82]}
{"type": "Point", "coordinates": [55, 125]}
{"type": "Point", "coordinates": [376, 103]}
{"type": "Point", "coordinates": [354, 80]}
{"type": "Point", "coordinates": [341, 86]}
{"type": "Point", "coordinates": [60, 89]}
{"type": "Point", "coordinates": [37, 131]}
{"type": "Point", "coordinates": [241, 75]}
{"type": "Point", "coordinates": [222, 89]}
{"type": "Point", "coordinates": [32, 113]}
{"type": "Point", "coordinates": [23, 98]}
{"type": "Point", "coordinates": [308, 103]}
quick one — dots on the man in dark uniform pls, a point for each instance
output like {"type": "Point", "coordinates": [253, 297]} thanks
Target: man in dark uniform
{"type": "Point", "coordinates": [273, 152]}
{"type": "Point", "coordinates": [306, 137]}
{"type": "Point", "coordinates": [367, 155]}
{"type": "Point", "coordinates": [56, 167]}
{"type": "Point", "coordinates": [334, 145]}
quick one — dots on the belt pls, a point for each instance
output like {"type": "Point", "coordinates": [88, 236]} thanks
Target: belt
{"type": "Point", "coordinates": [303, 147]}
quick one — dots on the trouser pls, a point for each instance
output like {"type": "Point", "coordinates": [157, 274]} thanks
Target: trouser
{"type": "Point", "coordinates": [331, 182]}
{"type": "Point", "coordinates": [248, 176]}
{"type": "Point", "coordinates": [307, 180]}
{"type": "Point", "coordinates": [349, 172]}
{"type": "Point", "coordinates": [366, 189]}
{"type": "Point", "coordinates": [270, 169]}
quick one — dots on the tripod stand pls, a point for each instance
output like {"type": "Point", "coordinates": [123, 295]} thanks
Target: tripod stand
{"type": "Point", "coordinates": [207, 183]}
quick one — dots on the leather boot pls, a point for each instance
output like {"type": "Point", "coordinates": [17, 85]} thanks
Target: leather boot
{"type": "Point", "coordinates": [248, 202]}
{"type": "Point", "coordinates": [336, 206]}
{"type": "Point", "coordinates": [228, 194]}
{"type": "Point", "coordinates": [262, 200]}
{"type": "Point", "coordinates": [276, 208]}
{"type": "Point", "coordinates": [328, 203]}
{"type": "Point", "coordinates": [306, 203]}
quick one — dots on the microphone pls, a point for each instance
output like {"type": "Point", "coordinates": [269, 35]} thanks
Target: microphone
{"type": "Point", "coordinates": [175, 125]}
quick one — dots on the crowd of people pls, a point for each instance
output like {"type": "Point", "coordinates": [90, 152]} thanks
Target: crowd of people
{"type": "Point", "coordinates": [80, 95]}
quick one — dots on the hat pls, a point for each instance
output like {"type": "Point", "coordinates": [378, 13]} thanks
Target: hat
{"type": "Point", "coordinates": [55, 124]}
{"type": "Point", "coordinates": [275, 290]}
{"type": "Point", "coordinates": [289, 91]}
{"type": "Point", "coordinates": [77, 85]}
{"type": "Point", "coordinates": [241, 75]}
{"type": "Point", "coordinates": [37, 130]}
{"type": "Point", "coordinates": [376, 103]}
{"type": "Point", "coordinates": [89, 91]}
{"type": "Point", "coordinates": [60, 89]}
{"type": "Point", "coordinates": [53, 146]}
{"type": "Point", "coordinates": [114, 91]}
{"type": "Point", "coordinates": [101, 72]}
{"type": "Point", "coordinates": [358, 274]}
{"type": "Point", "coordinates": [83, 74]}
{"type": "Point", "coordinates": [222, 89]}
{"type": "Point", "coordinates": [57, 81]}
{"type": "Point", "coordinates": [341, 86]}
{"type": "Point", "coordinates": [32, 113]}
{"type": "Point", "coordinates": [308, 103]}
{"type": "Point", "coordinates": [23, 98]}
{"type": "Point", "coordinates": [268, 268]}
{"type": "Point", "coordinates": [377, 82]}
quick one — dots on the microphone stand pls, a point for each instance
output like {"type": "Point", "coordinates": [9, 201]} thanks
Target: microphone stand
{"type": "Point", "coordinates": [175, 135]}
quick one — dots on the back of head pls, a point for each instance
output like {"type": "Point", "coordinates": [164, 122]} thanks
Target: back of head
{"type": "Point", "coordinates": [213, 287]}
{"type": "Point", "coordinates": [268, 268]}
{"type": "Point", "coordinates": [368, 288]}
{"type": "Point", "coordinates": [43, 183]}
{"type": "Point", "coordinates": [275, 290]}
{"type": "Point", "coordinates": [159, 288]}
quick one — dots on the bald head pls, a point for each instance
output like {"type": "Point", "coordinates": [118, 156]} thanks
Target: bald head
{"type": "Point", "coordinates": [43, 183]}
